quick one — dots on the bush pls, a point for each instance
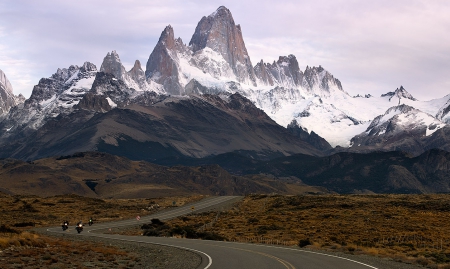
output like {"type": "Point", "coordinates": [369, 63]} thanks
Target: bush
{"type": "Point", "coordinates": [304, 242]}
{"type": "Point", "coordinates": [151, 232]}
{"type": "Point", "coordinates": [23, 224]}
{"type": "Point", "coordinates": [4, 229]}
{"type": "Point", "coordinates": [157, 222]}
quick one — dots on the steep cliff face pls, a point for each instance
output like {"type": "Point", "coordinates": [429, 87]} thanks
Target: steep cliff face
{"type": "Point", "coordinates": [7, 97]}
{"type": "Point", "coordinates": [317, 80]}
{"type": "Point", "coordinates": [285, 72]}
{"type": "Point", "coordinates": [162, 65]}
{"type": "Point", "coordinates": [112, 65]}
{"type": "Point", "coordinates": [138, 75]}
{"type": "Point", "coordinates": [219, 33]}
{"type": "Point", "coordinates": [263, 74]}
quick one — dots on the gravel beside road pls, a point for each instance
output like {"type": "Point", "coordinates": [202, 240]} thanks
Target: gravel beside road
{"type": "Point", "coordinates": [149, 256]}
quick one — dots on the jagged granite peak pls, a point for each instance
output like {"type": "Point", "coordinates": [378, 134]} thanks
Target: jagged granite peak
{"type": "Point", "coordinates": [319, 81]}
{"type": "Point", "coordinates": [88, 67]}
{"type": "Point", "coordinates": [162, 65]}
{"type": "Point", "coordinates": [7, 97]}
{"type": "Point", "coordinates": [263, 74]}
{"type": "Point", "coordinates": [64, 79]}
{"type": "Point", "coordinates": [284, 72]}
{"type": "Point", "coordinates": [136, 73]}
{"type": "Point", "coordinates": [112, 65]}
{"type": "Point", "coordinates": [168, 37]}
{"type": "Point", "coordinates": [116, 91]}
{"type": "Point", "coordinates": [219, 32]}
{"type": "Point", "coordinates": [50, 98]}
{"type": "Point", "coordinates": [399, 93]}
{"type": "Point", "coordinates": [4, 82]}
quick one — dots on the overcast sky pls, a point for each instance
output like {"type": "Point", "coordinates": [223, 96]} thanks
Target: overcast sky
{"type": "Point", "coordinates": [370, 46]}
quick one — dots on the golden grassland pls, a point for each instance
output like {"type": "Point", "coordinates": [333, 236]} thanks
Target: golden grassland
{"type": "Point", "coordinates": [19, 246]}
{"type": "Point", "coordinates": [408, 228]}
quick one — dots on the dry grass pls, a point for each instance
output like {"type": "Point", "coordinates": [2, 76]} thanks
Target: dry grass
{"type": "Point", "coordinates": [19, 247]}
{"type": "Point", "coordinates": [408, 228]}
{"type": "Point", "coordinates": [24, 212]}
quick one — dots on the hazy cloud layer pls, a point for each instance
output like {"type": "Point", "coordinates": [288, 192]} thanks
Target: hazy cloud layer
{"type": "Point", "coordinates": [371, 46]}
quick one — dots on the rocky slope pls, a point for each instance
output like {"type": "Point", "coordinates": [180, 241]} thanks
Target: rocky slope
{"type": "Point", "coordinates": [156, 127]}
{"type": "Point", "coordinates": [102, 175]}
{"type": "Point", "coordinates": [344, 172]}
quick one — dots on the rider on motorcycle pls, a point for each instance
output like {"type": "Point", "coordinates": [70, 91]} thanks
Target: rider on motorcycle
{"type": "Point", "coordinates": [65, 225]}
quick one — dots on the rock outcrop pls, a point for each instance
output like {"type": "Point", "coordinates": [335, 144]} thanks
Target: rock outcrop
{"type": "Point", "coordinates": [219, 33]}
{"type": "Point", "coordinates": [7, 97]}
{"type": "Point", "coordinates": [162, 65]}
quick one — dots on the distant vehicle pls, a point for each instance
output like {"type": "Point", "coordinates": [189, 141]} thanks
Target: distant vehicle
{"type": "Point", "coordinates": [79, 227]}
{"type": "Point", "coordinates": [65, 225]}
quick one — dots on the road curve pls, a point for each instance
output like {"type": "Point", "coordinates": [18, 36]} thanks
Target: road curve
{"type": "Point", "coordinates": [221, 255]}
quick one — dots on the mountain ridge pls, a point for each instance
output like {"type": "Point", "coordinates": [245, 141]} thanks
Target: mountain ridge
{"type": "Point", "coordinates": [216, 62]}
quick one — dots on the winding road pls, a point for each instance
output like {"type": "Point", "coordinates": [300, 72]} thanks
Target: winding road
{"type": "Point", "coordinates": [221, 255]}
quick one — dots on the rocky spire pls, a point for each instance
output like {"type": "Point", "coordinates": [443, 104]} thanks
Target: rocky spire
{"type": "Point", "coordinates": [263, 74]}
{"type": "Point", "coordinates": [112, 65]}
{"type": "Point", "coordinates": [4, 83]}
{"type": "Point", "coordinates": [319, 81]}
{"type": "Point", "coordinates": [286, 71]}
{"type": "Point", "coordinates": [138, 75]}
{"type": "Point", "coordinates": [7, 98]}
{"type": "Point", "coordinates": [162, 65]}
{"type": "Point", "coordinates": [399, 93]}
{"type": "Point", "coordinates": [219, 33]}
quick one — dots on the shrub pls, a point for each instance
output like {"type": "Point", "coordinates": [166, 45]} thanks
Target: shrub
{"type": "Point", "coordinates": [157, 222]}
{"type": "Point", "coordinates": [304, 242]}
{"type": "Point", "coordinates": [4, 229]}
{"type": "Point", "coordinates": [151, 232]}
{"type": "Point", "coordinates": [23, 224]}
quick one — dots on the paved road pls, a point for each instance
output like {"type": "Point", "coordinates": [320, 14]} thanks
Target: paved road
{"type": "Point", "coordinates": [221, 255]}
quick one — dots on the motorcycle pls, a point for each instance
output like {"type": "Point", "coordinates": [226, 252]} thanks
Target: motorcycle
{"type": "Point", "coordinates": [91, 222]}
{"type": "Point", "coordinates": [79, 228]}
{"type": "Point", "coordinates": [65, 226]}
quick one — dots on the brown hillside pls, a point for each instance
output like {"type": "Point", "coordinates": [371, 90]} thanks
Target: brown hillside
{"type": "Point", "coordinates": [107, 176]}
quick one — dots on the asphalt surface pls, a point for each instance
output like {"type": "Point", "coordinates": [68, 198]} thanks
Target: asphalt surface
{"type": "Point", "coordinates": [220, 255]}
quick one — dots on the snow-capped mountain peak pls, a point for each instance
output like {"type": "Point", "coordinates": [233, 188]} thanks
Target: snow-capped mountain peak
{"type": "Point", "coordinates": [398, 94]}
{"type": "Point", "coordinates": [216, 61]}
{"type": "Point", "coordinates": [220, 33]}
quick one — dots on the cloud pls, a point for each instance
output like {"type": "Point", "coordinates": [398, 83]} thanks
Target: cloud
{"type": "Point", "coordinates": [371, 46]}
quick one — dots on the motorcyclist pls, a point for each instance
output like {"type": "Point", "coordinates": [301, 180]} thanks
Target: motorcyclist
{"type": "Point", "coordinates": [65, 225]}
{"type": "Point", "coordinates": [91, 221]}
{"type": "Point", "coordinates": [79, 226]}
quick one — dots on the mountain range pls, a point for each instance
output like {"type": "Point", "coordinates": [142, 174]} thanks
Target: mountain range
{"type": "Point", "coordinates": [206, 98]}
